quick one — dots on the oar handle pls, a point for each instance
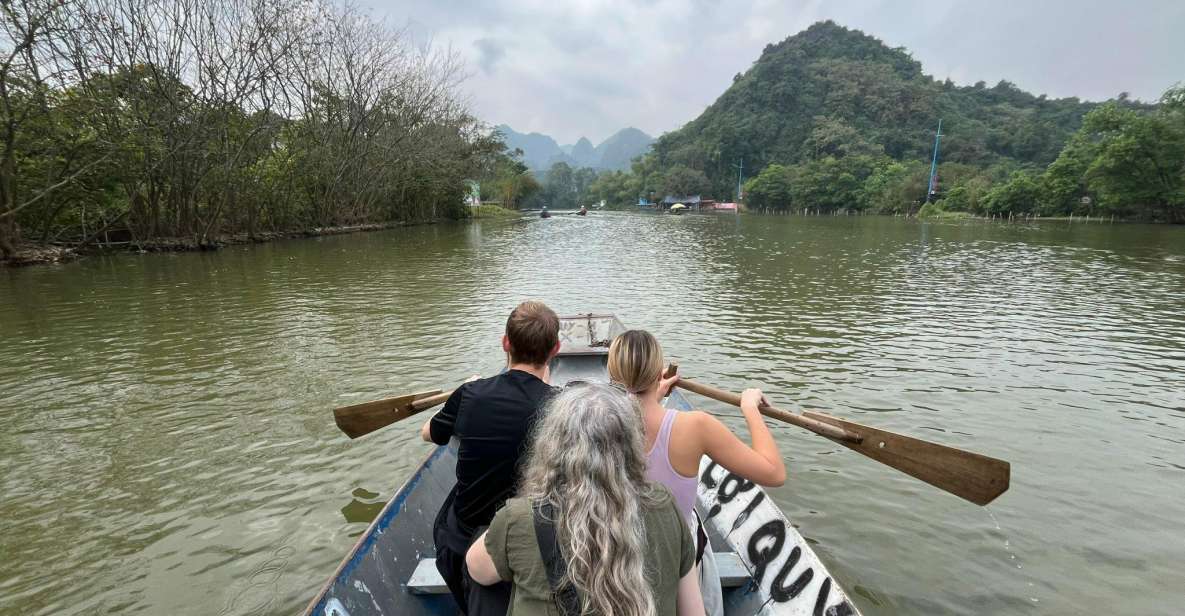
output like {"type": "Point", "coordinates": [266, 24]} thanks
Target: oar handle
{"type": "Point", "coordinates": [426, 403]}
{"type": "Point", "coordinates": [813, 425]}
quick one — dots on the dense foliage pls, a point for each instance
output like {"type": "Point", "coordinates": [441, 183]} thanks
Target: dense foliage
{"type": "Point", "coordinates": [507, 182]}
{"type": "Point", "coordinates": [190, 119]}
{"type": "Point", "coordinates": [1123, 161]}
{"type": "Point", "coordinates": [832, 119]}
{"type": "Point", "coordinates": [564, 187]}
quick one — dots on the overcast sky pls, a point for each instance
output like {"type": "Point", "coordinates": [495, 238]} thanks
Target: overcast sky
{"type": "Point", "coordinates": [591, 67]}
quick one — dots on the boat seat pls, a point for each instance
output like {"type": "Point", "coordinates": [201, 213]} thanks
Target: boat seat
{"type": "Point", "coordinates": [731, 570]}
{"type": "Point", "coordinates": [426, 580]}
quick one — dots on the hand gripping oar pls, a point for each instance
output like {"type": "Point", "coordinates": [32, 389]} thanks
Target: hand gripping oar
{"type": "Point", "coordinates": [362, 419]}
{"type": "Point", "coordinates": [975, 477]}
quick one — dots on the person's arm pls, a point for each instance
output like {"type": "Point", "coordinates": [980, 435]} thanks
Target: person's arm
{"type": "Point", "coordinates": [439, 428]}
{"type": "Point", "coordinates": [689, 601]}
{"type": "Point", "coordinates": [760, 463]}
{"type": "Point", "coordinates": [481, 565]}
{"type": "Point", "coordinates": [488, 557]}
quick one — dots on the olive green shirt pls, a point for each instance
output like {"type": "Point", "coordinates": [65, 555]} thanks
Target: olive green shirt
{"type": "Point", "coordinates": [510, 540]}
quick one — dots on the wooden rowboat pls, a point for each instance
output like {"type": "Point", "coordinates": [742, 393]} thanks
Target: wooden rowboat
{"type": "Point", "coordinates": [765, 565]}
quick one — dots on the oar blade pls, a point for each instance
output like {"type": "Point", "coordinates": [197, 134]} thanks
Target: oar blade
{"type": "Point", "coordinates": [362, 419]}
{"type": "Point", "coordinates": [975, 477]}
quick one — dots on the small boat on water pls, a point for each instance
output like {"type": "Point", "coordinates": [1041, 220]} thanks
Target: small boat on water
{"type": "Point", "coordinates": [765, 566]}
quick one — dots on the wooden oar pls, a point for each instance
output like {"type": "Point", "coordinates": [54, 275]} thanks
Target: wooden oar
{"type": "Point", "coordinates": [362, 419]}
{"type": "Point", "coordinates": [975, 477]}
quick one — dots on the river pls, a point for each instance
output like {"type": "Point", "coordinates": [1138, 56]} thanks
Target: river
{"type": "Point", "coordinates": [168, 444]}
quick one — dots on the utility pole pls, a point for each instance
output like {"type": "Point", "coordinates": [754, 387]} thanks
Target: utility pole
{"type": "Point", "coordinates": [930, 188]}
{"type": "Point", "coordinates": [740, 174]}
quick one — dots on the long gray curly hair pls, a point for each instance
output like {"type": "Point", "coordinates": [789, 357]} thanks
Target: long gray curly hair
{"type": "Point", "coordinates": [587, 460]}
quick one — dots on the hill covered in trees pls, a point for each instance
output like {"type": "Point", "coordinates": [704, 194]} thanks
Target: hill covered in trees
{"type": "Point", "coordinates": [832, 118]}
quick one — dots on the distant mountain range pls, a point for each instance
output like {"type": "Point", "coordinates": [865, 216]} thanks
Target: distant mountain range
{"type": "Point", "coordinates": [541, 151]}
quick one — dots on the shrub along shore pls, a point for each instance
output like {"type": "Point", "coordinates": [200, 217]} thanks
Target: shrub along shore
{"type": "Point", "coordinates": [35, 254]}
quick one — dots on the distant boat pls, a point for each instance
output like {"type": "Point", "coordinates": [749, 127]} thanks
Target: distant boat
{"type": "Point", "coordinates": [678, 208]}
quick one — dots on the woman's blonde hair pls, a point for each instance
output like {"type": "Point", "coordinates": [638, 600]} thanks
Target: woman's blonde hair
{"type": "Point", "coordinates": [635, 360]}
{"type": "Point", "coordinates": [587, 462]}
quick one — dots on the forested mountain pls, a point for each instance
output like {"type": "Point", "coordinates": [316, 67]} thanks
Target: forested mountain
{"type": "Point", "coordinates": [833, 119]}
{"type": "Point", "coordinates": [540, 151]}
{"type": "Point", "coordinates": [830, 88]}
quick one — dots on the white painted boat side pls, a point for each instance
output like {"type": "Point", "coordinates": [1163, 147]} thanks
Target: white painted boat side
{"type": "Point", "coordinates": [789, 576]}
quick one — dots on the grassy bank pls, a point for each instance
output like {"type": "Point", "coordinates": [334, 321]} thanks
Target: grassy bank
{"type": "Point", "coordinates": [489, 210]}
{"type": "Point", "coordinates": [944, 215]}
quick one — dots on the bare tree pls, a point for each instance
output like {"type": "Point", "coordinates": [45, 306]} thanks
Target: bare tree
{"type": "Point", "coordinates": [216, 116]}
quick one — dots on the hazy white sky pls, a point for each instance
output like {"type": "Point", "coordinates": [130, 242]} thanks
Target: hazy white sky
{"type": "Point", "coordinates": [591, 67]}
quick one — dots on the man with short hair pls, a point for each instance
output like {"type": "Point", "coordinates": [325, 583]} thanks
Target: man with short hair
{"type": "Point", "coordinates": [491, 420]}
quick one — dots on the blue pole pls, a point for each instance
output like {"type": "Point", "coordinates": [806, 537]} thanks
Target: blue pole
{"type": "Point", "coordinates": [740, 174]}
{"type": "Point", "coordinates": [934, 162]}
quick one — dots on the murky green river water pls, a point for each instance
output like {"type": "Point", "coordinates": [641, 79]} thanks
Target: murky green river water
{"type": "Point", "coordinates": [168, 445]}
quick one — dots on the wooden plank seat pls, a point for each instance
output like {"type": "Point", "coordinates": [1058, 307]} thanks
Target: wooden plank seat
{"type": "Point", "coordinates": [426, 580]}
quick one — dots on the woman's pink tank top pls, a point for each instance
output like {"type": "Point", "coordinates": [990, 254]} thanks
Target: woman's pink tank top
{"type": "Point", "coordinates": [658, 468]}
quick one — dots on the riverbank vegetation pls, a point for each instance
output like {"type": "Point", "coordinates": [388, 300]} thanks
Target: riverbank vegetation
{"type": "Point", "coordinates": [490, 211]}
{"type": "Point", "coordinates": [506, 181]}
{"type": "Point", "coordinates": [833, 120]}
{"type": "Point", "coordinates": [565, 187]}
{"type": "Point", "coordinates": [135, 121]}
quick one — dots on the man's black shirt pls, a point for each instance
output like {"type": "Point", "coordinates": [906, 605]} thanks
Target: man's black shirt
{"type": "Point", "coordinates": [492, 420]}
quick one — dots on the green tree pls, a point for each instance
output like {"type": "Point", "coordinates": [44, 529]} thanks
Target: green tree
{"type": "Point", "coordinates": [1019, 195]}
{"type": "Point", "coordinates": [834, 137]}
{"type": "Point", "coordinates": [1063, 185]}
{"type": "Point", "coordinates": [560, 188]}
{"type": "Point", "coordinates": [770, 189]}
{"type": "Point", "coordinates": [831, 184]}
{"type": "Point", "coordinates": [1139, 160]}
{"type": "Point", "coordinates": [896, 188]}
{"type": "Point", "coordinates": [681, 181]}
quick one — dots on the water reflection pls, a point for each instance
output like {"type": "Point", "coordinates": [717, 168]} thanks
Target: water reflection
{"type": "Point", "coordinates": [364, 507]}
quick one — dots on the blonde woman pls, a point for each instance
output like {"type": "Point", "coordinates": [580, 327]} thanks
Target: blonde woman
{"type": "Point", "coordinates": [587, 526]}
{"type": "Point", "coordinates": [677, 441]}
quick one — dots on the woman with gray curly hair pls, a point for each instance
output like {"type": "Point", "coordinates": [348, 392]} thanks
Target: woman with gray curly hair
{"type": "Point", "coordinates": [587, 527]}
